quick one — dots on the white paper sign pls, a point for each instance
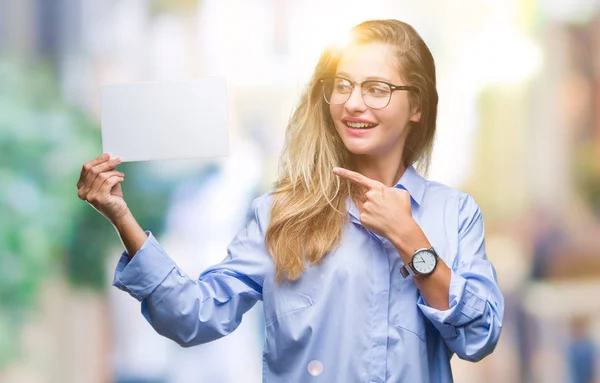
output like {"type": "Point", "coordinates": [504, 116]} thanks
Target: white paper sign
{"type": "Point", "coordinates": [165, 120]}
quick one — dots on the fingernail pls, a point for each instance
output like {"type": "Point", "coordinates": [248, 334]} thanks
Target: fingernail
{"type": "Point", "coordinates": [117, 160]}
{"type": "Point", "coordinates": [105, 156]}
{"type": "Point", "coordinates": [336, 170]}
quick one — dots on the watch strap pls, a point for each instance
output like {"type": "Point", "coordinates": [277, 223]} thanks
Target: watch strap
{"type": "Point", "coordinates": [404, 271]}
{"type": "Point", "coordinates": [407, 270]}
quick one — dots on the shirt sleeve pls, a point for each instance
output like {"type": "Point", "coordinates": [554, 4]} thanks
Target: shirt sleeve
{"type": "Point", "coordinates": [194, 311]}
{"type": "Point", "coordinates": [471, 326]}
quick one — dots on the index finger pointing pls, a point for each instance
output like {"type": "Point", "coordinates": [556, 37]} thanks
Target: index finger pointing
{"type": "Point", "coordinates": [356, 177]}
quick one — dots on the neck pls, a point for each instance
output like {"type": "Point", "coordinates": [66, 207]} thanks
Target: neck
{"type": "Point", "coordinates": [385, 170]}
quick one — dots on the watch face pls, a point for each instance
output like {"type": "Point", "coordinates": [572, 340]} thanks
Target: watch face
{"type": "Point", "coordinates": [424, 261]}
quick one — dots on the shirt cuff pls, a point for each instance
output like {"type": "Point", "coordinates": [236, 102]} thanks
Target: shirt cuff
{"type": "Point", "coordinates": [142, 274]}
{"type": "Point", "coordinates": [465, 306]}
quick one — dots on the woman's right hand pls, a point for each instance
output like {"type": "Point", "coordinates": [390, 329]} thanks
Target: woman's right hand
{"type": "Point", "coordinates": [100, 185]}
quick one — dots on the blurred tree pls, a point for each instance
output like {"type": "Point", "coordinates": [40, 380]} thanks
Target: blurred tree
{"type": "Point", "coordinates": [45, 229]}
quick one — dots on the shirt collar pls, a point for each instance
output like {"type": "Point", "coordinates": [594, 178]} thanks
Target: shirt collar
{"type": "Point", "coordinates": [413, 183]}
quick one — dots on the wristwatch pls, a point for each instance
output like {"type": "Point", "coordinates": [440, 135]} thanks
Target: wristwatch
{"type": "Point", "coordinates": [423, 263]}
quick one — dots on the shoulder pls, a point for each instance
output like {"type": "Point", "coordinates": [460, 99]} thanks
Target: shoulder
{"type": "Point", "coordinates": [459, 207]}
{"type": "Point", "coordinates": [263, 202]}
{"type": "Point", "coordinates": [260, 209]}
{"type": "Point", "coordinates": [437, 192]}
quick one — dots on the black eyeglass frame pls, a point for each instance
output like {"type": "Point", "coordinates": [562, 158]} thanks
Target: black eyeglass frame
{"type": "Point", "coordinates": [393, 88]}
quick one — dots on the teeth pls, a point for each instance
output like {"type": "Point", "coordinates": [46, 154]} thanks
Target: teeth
{"type": "Point", "coordinates": [358, 125]}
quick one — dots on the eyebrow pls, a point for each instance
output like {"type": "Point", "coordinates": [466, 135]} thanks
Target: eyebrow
{"type": "Point", "coordinates": [370, 78]}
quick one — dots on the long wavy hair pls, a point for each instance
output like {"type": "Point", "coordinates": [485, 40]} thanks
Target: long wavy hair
{"type": "Point", "coordinates": [309, 207]}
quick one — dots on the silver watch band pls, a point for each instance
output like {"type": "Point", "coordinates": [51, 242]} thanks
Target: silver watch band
{"type": "Point", "coordinates": [408, 269]}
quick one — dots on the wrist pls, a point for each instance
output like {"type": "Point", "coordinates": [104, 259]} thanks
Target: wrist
{"type": "Point", "coordinates": [123, 220]}
{"type": "Point", "coordinates": [409, 240]}
{"type": "Point", "coordinates": [131, 233]}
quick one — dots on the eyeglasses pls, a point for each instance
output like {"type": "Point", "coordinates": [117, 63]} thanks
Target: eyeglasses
{"type": "Point", "coordinates": [375, 94]}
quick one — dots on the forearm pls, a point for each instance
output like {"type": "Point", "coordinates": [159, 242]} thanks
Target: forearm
{"type": "Point", "coordinates": [435, 287]}
{"type": "Point", "coordinates": [189, 310]}
{"type": "Point", "coordinates": [472, 325]}
{"type": "Point", "coordinates": [131, 233]}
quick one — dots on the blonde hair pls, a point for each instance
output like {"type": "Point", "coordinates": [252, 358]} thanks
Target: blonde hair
{"type": "Point", "coordinates": [309, 202]}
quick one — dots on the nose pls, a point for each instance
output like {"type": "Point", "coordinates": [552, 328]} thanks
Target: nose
{"type": "Point", "coordinates": [355, 103]}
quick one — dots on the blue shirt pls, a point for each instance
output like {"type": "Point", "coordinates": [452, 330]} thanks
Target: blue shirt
{"type": "Point", "coordinates": [352, 318]}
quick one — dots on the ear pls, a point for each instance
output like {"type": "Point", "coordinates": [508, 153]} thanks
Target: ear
{"type": "Point", "coordinates": [416, 115]}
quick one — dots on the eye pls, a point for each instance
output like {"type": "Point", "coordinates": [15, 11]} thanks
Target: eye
{"type": "Point", "coordinates": [342, 86]}
{"type": "Point", "coordinates": [377, 89]}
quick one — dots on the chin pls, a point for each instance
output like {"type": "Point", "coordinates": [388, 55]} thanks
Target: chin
{"type": "Point", "coordinates": [359, 149]}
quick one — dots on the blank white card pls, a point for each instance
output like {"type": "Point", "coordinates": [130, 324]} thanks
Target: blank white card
{"type": "Point", "coordinates": [165, 120]}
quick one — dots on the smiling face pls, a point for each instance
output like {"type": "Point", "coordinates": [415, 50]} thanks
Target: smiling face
{"type": "Point", "coordinates": [376, 133]}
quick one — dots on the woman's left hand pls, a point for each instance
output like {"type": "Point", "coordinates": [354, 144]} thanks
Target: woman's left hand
{"type": "Point", "coordinates": [385, 210]}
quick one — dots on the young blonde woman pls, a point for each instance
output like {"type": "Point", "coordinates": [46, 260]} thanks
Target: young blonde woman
{"type": "Point", "coordinates": [368, 271]}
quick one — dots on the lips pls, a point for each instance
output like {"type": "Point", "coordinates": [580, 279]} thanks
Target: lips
{"type": "Point", "coordinates": [355, 125]}
{"type": "Point", "coordinates": [358, 123]}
